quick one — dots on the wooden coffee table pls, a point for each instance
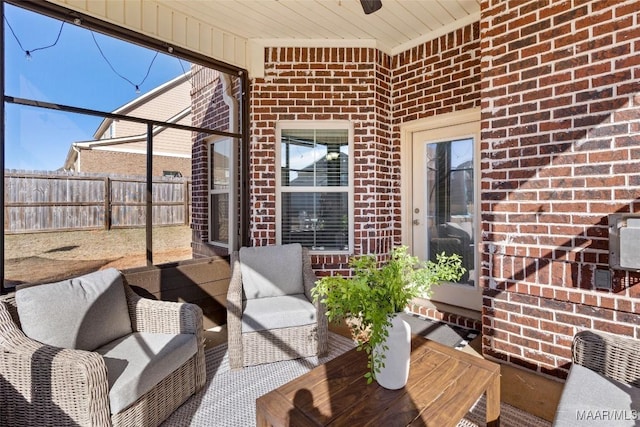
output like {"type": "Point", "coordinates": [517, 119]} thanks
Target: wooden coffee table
{"type": "Point", "coordinates": [443, 385]}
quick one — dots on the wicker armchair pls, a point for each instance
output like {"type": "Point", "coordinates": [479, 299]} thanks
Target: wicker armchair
{"type": "Point", "coordinates": [614, 356]}
{"type": "Point", "coordinates": [254, 345]}
{"type": "Point", "coordinates": [51, 386]}
{"type": "Point", "coordinates": [603, 381]}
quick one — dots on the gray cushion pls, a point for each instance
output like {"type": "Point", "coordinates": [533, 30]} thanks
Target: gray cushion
{"type": "Point", "coordinates": [591, 399]}
{"type": "Point", "coordinates": [277, 312]}
{"type": "Point", "coordinates": [139, 361]}
{"type": "Point", "coordinates": [82, 313]}
{"type": "Point", "coordinates": [269, 271]}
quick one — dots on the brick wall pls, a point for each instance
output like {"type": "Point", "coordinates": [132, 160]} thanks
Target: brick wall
{"type": "Point", "coordinates": [326, 84]}
{"type": "Point", "coordinates": [377, 93]}
{"type": "Point", "coordinates": [101, 161]}
{"type": "Point", "coordinates": [560, 143]}
{"type": "Point", "coordinates": [437, 77]}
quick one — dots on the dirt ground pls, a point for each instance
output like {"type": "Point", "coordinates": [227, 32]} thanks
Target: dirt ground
{"type": "Point", "coordinates": [44, 257]}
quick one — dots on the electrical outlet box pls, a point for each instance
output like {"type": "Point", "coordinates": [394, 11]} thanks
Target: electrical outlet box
{"type": "Point", "coordinates": [624, 241]}
{"type": "Point", "coordinates": [603, 279]}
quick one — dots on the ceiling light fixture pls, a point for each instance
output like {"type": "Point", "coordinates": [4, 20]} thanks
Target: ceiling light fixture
{"type": "Point", "coordinates": [370, 6]}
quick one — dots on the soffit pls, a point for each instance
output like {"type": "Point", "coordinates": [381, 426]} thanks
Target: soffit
{"type": "Point", "coordinates": [236, 31]}
{"type": "Point", "coordinates": [397, 24]}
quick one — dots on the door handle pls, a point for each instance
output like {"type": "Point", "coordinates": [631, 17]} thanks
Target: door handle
{"type": "Point", "coordinates": [416, 222]}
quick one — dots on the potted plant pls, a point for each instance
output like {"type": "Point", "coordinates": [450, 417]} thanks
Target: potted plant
{"type": "Point", "coordinates": [374, 294]}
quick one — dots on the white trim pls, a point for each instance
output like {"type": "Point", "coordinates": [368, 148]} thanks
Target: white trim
{"type": "Point", "coordinates": [316, 42]}
{"type": "Point", "coordinates": [232, 103]}
{"type": "Point", "coordinates": [435, 124]}
{"type": "Point", "coordinates": [134, 138]}
{"type": "Point", "coordinates": [256, 59]}
{"type": "Point", "coordinates": [317, 124]}
{"type": "Point", "coordinates": [231, 237]}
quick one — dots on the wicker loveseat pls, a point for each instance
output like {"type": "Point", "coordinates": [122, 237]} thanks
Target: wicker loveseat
{"type": "Point", "coordinates": [270, 314]}
{"type": "Point", "coordinates": [101, 355]}
{"type": "Point", "coordinates": [603, 386]}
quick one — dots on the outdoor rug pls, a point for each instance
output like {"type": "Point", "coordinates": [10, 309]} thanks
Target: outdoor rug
{"type": "Point", "coordinates": [229, 397]}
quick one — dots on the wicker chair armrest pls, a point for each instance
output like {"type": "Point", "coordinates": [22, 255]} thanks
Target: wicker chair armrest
{"type": "Point", "coordinates": [309, 280]}
{"type": "Point", "coordinates": [308, 276]}
{"type": "Point", "coordinates": [45, 384]}
{"type": "Point", "coordinates": [164, 317]}
{"type": "Point", "coordinates": [234, 313]}
{"type": "Point", "coordinates": [614, 356]}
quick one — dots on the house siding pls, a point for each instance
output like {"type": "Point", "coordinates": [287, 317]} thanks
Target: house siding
{"type": "Point", "coordinates": [558, 84]}
{"type": "Point", "coordinates": [560, 150]}
{"type": "Point", "coordinates": [162, 106]}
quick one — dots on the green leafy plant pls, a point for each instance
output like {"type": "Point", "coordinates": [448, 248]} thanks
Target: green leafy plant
{"type": "Point", "coordinates": [374, 293]}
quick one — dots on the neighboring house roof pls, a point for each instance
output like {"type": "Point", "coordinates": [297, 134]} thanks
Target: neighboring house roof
{"type": "Point", "coordinates": [136, 103]}
{"type": "Point", "coordinates": [168, 103]}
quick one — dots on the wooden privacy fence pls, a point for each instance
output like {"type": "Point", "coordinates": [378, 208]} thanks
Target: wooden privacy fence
{"type": "Point", "coordinates": [57, 201]}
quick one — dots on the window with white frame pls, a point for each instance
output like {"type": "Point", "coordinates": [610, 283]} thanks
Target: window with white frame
{"type": "Point", "coordinates": [315, 197]}
{"type": "Point", "coordinates": [222, 224]}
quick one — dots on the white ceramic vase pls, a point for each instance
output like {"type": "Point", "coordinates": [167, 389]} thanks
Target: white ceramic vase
{"type": "Point", "coordinates": [395, 373]}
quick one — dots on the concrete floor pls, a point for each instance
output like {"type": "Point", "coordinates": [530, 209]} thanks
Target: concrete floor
{"type": "Point", "coordinates": [533, 393]}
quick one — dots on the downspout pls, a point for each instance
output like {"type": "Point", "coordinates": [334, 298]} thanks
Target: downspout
{"type": "Point", "coordinates": [77, 162]}
{"type": "Point", "coordinates": [244, 159]}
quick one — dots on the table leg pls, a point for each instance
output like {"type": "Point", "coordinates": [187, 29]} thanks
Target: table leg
{"type": "Point", "coordinates": [493, 402]}
{"type": "Point", "coordinates": [261, 419]}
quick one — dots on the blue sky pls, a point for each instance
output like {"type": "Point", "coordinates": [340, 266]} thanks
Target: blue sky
{"type": "Point", "coordinates": [72, 72]}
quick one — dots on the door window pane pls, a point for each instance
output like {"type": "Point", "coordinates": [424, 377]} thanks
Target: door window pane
{"type": "Point", "coordinates": [450, 201]}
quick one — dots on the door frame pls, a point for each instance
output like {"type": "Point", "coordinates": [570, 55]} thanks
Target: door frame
{"type": "Point", "coordinates": [406, 170]}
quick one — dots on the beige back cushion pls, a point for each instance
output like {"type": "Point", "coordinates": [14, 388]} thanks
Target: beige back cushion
{"type": "Point", "coordinates": [82, 313]}
{"type": "Point", "coordinates": [269, 271]}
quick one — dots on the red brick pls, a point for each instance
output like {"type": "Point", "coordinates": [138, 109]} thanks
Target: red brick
{"type": "Point", "coordinates": [614, 328]}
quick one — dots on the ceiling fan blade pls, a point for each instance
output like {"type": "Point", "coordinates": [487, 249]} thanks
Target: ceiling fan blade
{"type": "Point", "coordinates": [370, 6]}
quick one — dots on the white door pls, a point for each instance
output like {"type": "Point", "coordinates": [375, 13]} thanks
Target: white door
{"type": "Point", "coordinates": [444, 204]}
